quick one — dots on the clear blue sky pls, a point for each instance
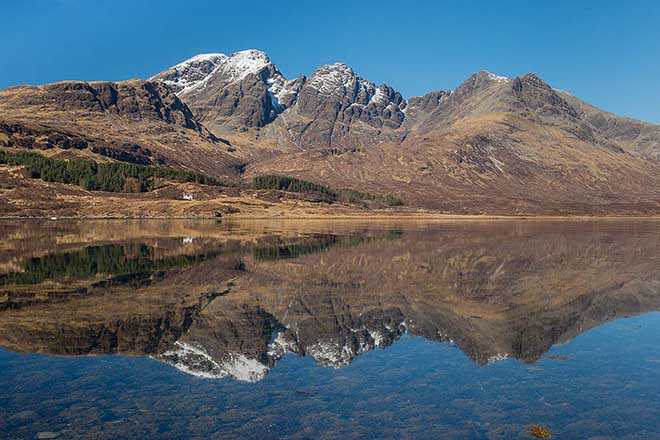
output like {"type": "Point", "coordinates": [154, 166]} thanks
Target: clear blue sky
{"type": "Point", "coordinates": [604, 51]}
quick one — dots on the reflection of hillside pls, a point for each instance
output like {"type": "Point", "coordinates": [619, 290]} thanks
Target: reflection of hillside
{"type": "Point", "coordinates": [95, 260]}
{"type": "Point", "coordinates": [495, 290]}
{"type": "Point", "coordinates": [114, 316]}
{"type": "Point", "coordinates": [129, 298]}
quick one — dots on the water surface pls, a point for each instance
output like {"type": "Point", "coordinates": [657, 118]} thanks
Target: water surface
{"type": "Point", "coordinates": [184, 329]}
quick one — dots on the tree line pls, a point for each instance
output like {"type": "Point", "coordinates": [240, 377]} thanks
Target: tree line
{"type": "Point", "coordinates": [95, 176]}
{"type": "Point", "coordinates": [286, 183]}
{"type": "Point", "coordinates": [91, 261]}
{"type": "Point", "coordinates": [129, 177]}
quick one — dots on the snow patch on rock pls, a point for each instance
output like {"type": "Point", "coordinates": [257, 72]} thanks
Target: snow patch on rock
{"type": "Point", "coordinates": [187, 74]}
{"type": "Point", "coordinates": [497, 78]}
{"type": "Point", "coordinates": [332, 79]}
{"type": "Point", "coordinates": [498, 357]}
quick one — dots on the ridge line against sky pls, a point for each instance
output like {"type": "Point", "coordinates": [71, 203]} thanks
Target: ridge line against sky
{"type": "Point", "coordinates": [603, 52]}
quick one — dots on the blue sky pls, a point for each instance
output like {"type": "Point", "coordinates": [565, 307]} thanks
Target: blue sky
{"type": "Point", "coordinates": [605, 52]}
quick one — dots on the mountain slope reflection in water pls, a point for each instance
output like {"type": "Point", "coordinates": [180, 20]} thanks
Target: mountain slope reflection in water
{"type": "Point", "coordinates": [270, 330]}
{"type": "Point", "coordinates": [229, 300]}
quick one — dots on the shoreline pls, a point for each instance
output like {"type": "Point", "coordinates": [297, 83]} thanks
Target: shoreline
{"type": "Point", "coordinates": [378, 217]}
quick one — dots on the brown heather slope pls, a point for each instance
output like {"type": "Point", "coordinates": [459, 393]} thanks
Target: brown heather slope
{"type": "Point", "coordinates": [631, 134]}
{"type": "Point", "coordinates": [23, 197]}
{"type": "Point", "coordinates": [135, 121]}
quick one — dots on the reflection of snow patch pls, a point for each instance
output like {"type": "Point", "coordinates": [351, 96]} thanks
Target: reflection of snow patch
{"type": "Point", "coordinates": [498, 357]}
{"type": "Point", "coordinates": [193, 360]}
{"type": "Point", "coordinates": [281, 345]}
{"type": "Point", "coordinates": [196, 361]}
{"type": "Point", "coordinates": [330, 353]}
{"type": "Point", "coordinates": [245, 369]}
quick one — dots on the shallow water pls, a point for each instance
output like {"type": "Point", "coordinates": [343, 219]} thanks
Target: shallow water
{"type": "Point", "coordinates": [185, 329]}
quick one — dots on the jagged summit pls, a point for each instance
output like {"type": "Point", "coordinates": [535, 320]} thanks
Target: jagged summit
{"type": "Point", "coordinates": [192, 74]}
{"type": "Point", "coordinates": [246, 90]}
{"type": "Point", "coordinates": [241, 64]}
{"type": "Point", "coordinates": [340, 79]}
{"type": "Point", "coordinates": [335, 107]}
{"type": "Point", "coordinates": [494, 77]}
{"type": "Point", "coordinates": [332, 78]}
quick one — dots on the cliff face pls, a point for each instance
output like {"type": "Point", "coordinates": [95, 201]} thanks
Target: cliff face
{"type": "Point", "coordinates": [232, 92]}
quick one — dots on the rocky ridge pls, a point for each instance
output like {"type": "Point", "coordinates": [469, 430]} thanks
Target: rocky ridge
{"type": "Point", "coordinates": [334, 107]}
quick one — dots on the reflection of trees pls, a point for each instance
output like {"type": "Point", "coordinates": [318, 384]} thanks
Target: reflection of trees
{"type": "Point", "coordinates": [93, 260]}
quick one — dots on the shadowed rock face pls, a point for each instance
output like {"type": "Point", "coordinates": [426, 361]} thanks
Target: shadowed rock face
{"type": "Point", "coordinates": [136, 100]}
{"type": "Point", "coordinates": [337, 107]}
{"type": "Point", "coordinates": [334, 107]}
{"type": "Point", "coordinates": [232, 308]}
{"type": "Point", "coordinates": [230, 92]}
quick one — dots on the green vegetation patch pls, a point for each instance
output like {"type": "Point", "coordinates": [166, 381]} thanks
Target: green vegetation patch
{"type": "Point", "coordinates": [318, 244]}
{"type": "Point", "coordinates": [93, 176]}
{"type": "Point", "coordinates": [98, 260]}
{"type": "Point", "coordinates": [132, 178]}
{"type": "Point", "coordinates": [286, 183]}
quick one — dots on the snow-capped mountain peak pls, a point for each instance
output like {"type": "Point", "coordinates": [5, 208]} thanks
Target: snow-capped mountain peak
{"type": "Point", "coordinates": [332, 78]}
{"type": "Point", "coordinates": [240, 64]}
{"type": "Point", "coordinates": [187, 74]}
{"type": "Point", "coordinates": [200, 58]}
{"type": "Point", "coordinates": [245, 89]}
{"type": "Point", "coordinates": [192, 75]}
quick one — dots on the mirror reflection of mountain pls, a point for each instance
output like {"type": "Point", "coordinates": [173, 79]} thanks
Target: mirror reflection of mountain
{"type": "Point", "coordinates": [232, 301]}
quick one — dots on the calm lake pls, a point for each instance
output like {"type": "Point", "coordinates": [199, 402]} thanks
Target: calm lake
{"type": "Point", "coordinates": [329, 330]}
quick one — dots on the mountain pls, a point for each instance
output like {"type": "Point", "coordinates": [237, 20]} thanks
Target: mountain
{"type": "Point", "coordinates": [640, 137]}
{"type": "Point", "coordinates": [333, 107]}
{"type": "Point", "coordinates": [493, 145]}
{"type": "Point", "coordinates": [227, 92]}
